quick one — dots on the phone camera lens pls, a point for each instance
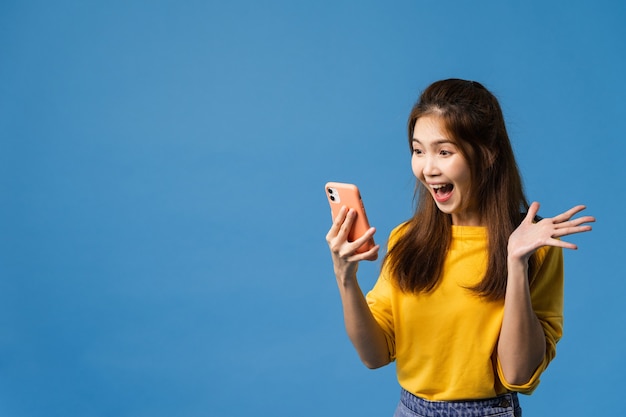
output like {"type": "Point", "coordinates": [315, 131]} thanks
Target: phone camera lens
{"type": "Point", "coordinates": [332, 198]}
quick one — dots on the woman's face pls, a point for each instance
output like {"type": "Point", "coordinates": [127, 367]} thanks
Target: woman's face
{"type": "Point", "coordinates": [438, 163]}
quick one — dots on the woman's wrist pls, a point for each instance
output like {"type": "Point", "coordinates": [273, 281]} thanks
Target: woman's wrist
{"type": "Point", "coordinates": [346, 280]}
{"type": "Point", "coordinates": [517, 267]}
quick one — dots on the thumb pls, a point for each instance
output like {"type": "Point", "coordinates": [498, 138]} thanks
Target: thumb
{"type": "Point", "coordinates": [532, 211]}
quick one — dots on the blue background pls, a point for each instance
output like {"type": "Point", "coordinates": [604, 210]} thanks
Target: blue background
{"type": "Point", "coordinates": [162, 209]}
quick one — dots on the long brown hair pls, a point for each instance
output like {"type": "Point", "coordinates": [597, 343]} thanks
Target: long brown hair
{"type": "Point", "coordinates": [473, 118]}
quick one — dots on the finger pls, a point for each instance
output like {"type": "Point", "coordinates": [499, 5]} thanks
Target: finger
{"type": "Point", "coordinates": [565, 231]}
{"type": "Point", "coordinates": [354, 246]}
{"type": "Point", "coordinates": [349, 249]}
{"type": "Point", "coordinates": [576, 222]}
{"type": "Point", "coordinates": [337, 222]}
{"type": "Point", "coordinates": [565, 216]}
{"type": "Point", "coordinates": [532, 212]}
{"type": "Point", "coordinates": [562, 244]}
{"type": "Point", "coordinates": [346, 226]}
{"type": "Point", "coordinates": [341, 215]}
{"type": "Point", "coordinates": [370, 255]}
{"type": "Point", "coordinates": [585, 219]}
{"type": "Point", "coordinates": [367, 236]}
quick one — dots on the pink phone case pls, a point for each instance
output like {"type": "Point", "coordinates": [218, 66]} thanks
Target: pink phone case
{"type": "Point", "coordinates": [341, 194]}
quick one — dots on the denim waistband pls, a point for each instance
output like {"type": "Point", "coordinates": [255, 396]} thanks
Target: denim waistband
{"type": "Point", "coordinates": [471, 408]}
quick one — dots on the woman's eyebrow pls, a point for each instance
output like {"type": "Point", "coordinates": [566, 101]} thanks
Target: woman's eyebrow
{"type": "Point", "coordinates": [437, 142]}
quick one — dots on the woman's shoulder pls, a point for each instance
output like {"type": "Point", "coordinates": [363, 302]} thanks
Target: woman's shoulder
{"type": "Point", "coordinates": [399, 229]}
{"type": "Point", "coordinates": [397, 232]}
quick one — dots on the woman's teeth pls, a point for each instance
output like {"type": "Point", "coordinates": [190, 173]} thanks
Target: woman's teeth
{"type": "Point", "coordinates": [442, 188]}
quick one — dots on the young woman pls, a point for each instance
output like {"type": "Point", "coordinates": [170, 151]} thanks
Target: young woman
{"type": "Point", "coordinates": [469, 302]}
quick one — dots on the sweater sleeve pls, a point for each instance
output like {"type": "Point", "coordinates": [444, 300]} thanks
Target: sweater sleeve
{"type": "Point", "coordinates": [546, 291]}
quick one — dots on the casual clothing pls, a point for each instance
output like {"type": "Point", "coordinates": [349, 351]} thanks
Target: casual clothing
{"type": "Point", "coordinates": [506, 405]}
{"type": "Point", "coordinates": [444, 341]}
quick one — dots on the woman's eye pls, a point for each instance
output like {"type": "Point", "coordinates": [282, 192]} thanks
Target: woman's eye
{"type": "Point", "coordinates": [417, 151]}
{"type": "Point", "coordinates": [445, 152]}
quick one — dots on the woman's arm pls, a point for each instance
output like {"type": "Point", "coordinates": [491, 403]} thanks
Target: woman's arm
{"type": "Point", "coordinates": [363, 330]}
{"type": "Point", "coordinates": [522, 344]}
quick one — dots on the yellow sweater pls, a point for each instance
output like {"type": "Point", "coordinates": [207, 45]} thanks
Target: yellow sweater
{"type": "Point", "coordinates": [444, 341]}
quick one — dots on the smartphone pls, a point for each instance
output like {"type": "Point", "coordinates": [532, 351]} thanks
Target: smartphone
{"type": "Point", "coordinates": [341, 194]}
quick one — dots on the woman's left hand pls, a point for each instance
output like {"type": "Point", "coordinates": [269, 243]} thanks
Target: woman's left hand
{"type": "Point", "coordinates": [529, 236]}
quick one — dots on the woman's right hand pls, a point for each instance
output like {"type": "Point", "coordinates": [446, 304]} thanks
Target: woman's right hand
{"type": "Point", "coordinates": [344, 253]}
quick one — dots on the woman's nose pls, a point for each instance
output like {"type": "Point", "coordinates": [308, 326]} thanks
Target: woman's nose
{"type": "Point", "coordinates": [430, 166]}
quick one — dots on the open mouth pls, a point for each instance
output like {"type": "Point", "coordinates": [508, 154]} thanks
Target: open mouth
{"type": "Point", "coordinates": [442, 191]}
